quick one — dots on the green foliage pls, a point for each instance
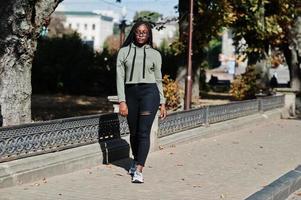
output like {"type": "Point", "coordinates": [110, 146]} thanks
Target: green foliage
{"type": "Point", "coordinates": [245, 86]}
{"type": "Point", "coordinates": [257, 26]}
{"type": "Point", "coordinates": [164, 47]}
{"type": "Point", "coordinates": [259, 22]}
{"type": "Point", "coordinates": [210, 17]}
{"type": "Point", "coordinates": [170, 60]}
{"type": "Point", "coordinates": [262, 24]}
{"type": "Point", "coordinates": [116, 30]}
{"type": "Point", "coordinates": [56, 27]}
{"type": "Point", "coordinates": [171, 91]}
{"type": "Point", "coordinates": [202, 81]}
{"type": "Point", "coordinates": [112, 44]}
{"type": "Point", "coordinates": [147, 16]}
{"type": "Point", "coordinates": [213, 51]}
{"type": "Point", "coordinates": [67, 65]}
{"type": "Point", "coordinates": [106, 72]}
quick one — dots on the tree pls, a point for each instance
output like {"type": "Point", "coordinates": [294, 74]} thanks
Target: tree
{"type": "Point", "coordinates": [260, 24]}
{"type": "Point", "coordinates": [265, 25]}
{"type": "Point", "coordinates": [210, 17]}
{"type": "Point", "coordinates": [112, 44]}
{"type": "Point", "coordinates": [292, 52]}
{"type": "Point", "coordinates": [56, 70]}
{"type": "Point", "coordinates": [56, 26]}
{"type": "Point", "coordinates": [148, 16]}
{"type": "Point", "coordinates": [20, 24]}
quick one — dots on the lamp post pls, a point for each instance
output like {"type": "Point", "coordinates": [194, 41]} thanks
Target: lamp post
{"type": "Point", "coordinates": [188, 85]}
{"type": "Point", "coordinates": [122, 25]}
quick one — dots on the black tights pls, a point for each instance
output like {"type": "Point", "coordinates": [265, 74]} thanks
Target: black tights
{"type": "Point", "coordinates": [143, 101]}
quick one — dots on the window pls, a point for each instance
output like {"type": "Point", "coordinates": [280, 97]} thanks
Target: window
{"type": "Point", "coordinates": [93, 38]}
{"type": "Point", "coordinates": [70, 25]}
{"type": "Point", "coordinates": [93, 26]}
{"type": "Point", "coordinates": [86, 26]}
{"type": "Point", "coordinates": [85, 37]}
{"type": "Point", "coordinates": [77, 25]}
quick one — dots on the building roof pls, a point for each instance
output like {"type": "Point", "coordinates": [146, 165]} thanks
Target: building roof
{"type": "Point", "coordinates": [84, 13]}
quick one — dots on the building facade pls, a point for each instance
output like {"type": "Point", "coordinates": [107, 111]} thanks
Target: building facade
{"type": "Point", "coordinates": [93, 28]}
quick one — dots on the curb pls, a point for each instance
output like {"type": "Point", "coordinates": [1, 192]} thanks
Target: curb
{"type": "Point", "coordinates": [281, 188]}
{"type": "Point", "coordinates": [47, 165]}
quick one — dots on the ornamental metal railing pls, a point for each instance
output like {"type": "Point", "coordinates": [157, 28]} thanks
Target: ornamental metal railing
{"type": "Point", "coordinates": [271, 102]}
{"type": "Point", "coordinates": [217, 113]}
{"type": "Point", "coordinates": [183, 120]}
{"type": "Point", "coordinates": [229, 111]}
{"type": "Point", "coordinates": [44, 137]}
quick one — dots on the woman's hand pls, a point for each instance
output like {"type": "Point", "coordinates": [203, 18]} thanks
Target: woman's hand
{"type": "Point", "coordinates": [123, 109]}
{"type": "Point", "coordinates": [163, 112]}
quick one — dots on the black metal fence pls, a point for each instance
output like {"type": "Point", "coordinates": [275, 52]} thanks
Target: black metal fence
{"type": "Point", "coordinates": [184, 120]}
{"type": "Point", "coordinates": [43, 137]}
{"type": "Point", "coordinates": [270, 102]}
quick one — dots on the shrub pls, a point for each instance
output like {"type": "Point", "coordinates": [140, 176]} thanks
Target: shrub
{"type": "Point", "coordinates": [67, 65]}
{"type": "Point", "coordinates": [245, 86]}
{"type": "Point", "coordinates": [171, 91]}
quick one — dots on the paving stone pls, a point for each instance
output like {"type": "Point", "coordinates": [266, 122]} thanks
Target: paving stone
{"type": "Point", "coordinates": [230, 166]}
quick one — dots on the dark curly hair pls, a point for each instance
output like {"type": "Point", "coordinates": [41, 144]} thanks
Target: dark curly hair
{"type": "Point", "coordinates": [131, 37]}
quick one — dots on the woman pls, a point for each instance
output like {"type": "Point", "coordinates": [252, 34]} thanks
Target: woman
{"type": "Point", "coordinates": [140, 92]}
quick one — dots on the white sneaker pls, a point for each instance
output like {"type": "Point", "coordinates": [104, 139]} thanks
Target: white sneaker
{"type": "Point", "coordinates": [138, 177]}
{"type": "Point", "coordinates": [132, 168]}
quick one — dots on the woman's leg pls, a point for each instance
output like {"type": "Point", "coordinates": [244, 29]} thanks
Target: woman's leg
{"type": "Point", "coordinates": [132, 118]}
{"type": "Point", "coordinates": [149, 103]}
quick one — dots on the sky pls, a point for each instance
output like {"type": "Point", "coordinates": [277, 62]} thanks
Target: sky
{"type": "Point", "coordinates": [165, 7]}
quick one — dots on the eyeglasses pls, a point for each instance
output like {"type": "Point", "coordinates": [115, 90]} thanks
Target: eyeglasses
{"type": "Point", "coordinates": [142, 34]}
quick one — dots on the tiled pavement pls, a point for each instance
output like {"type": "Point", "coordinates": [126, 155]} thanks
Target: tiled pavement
{"type": "Point", "coordinates": [230, 166]}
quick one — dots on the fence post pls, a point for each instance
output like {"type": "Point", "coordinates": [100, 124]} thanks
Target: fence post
{"type": "Point", "coordinates": [260, 106]}
{"type": "Point", "coordinates": [289, 101]}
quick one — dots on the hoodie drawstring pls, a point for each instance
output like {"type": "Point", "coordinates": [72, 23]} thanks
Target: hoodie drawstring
{"type": "Point", "coordinates": [144, 57]}
{"type": "Point", "coordinates": [133, 65]}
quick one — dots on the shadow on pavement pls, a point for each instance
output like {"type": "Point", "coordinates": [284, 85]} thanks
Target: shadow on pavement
{"type": "Point", "coordinates": [124, 163]}
{"type": "Point", "coordinates": [113, 147]}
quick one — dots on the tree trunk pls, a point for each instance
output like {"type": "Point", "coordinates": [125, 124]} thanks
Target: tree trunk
{"type": "Point", "coordinates": [291, 56]}
{"type": "Point", "coordinates": [292, 53]}
{"type": "Point", "coordinates": [181, 77]}
{"type": "Point", "coordinates": [20, 24]}
{"type": "Point", "coordinates": [183, 8]}
{"type": "Point", "coordinates": [262, 66]}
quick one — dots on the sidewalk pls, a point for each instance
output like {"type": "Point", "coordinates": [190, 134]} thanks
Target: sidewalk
{"type": "Point", "coordinates": [230, 166]}
{"type": "Point", "coordinates": [295, 196]}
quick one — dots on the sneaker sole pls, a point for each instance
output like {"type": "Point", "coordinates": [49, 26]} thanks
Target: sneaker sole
{"type": "Point", "coordinates": [136, 181]}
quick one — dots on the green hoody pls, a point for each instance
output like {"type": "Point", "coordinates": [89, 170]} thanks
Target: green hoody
{"type": "Point", "coordinates": [138, 65]}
